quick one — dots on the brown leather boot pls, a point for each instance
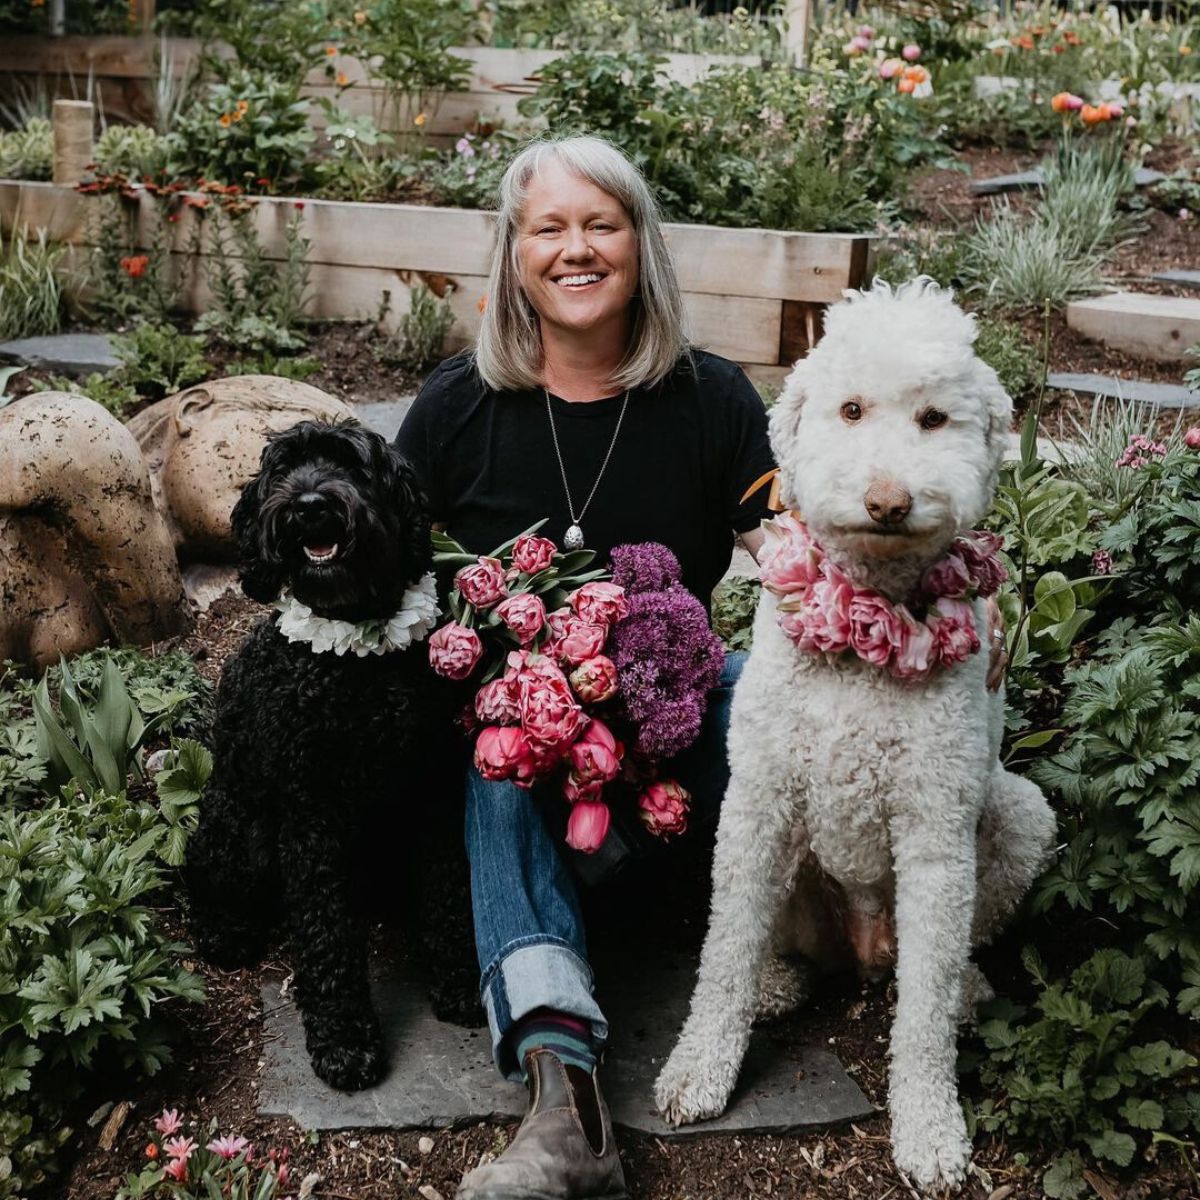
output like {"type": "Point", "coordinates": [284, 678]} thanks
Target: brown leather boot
{"type": "Point", "coordinates": [564, 1149]}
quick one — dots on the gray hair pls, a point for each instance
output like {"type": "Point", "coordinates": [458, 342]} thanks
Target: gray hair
{"type": "Point", "coordinates": [508, 352]}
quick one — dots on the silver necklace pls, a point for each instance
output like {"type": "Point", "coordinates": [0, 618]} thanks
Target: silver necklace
{"type": "Point", "coordinates": [573, 539]}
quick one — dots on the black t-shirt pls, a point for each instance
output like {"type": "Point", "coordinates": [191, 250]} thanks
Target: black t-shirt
{"type": "Point", "coordinates": [688, 449]}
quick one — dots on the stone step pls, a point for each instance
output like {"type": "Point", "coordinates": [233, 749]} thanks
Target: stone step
{"type": "Point", "coordinates": [1158, 395]}
{"type": "Point", "coordinates": [1161, 328]}
{"type": "Point", "coordinates": [71, 353]}
{"type": "Point", "coordinates": [1187, 279]}
{"type": "Point", "coordinates": [1023, 180]}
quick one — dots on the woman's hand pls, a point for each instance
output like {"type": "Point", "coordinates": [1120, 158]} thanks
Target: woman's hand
{"type": "Point", "coordinates": [997, 653]}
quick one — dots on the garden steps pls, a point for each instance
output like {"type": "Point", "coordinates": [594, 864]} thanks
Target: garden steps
{"type": "Point", "coordinates": [1023, 180]}
{"type": "Point", "coordinates": [70, 353]}
{"type": "Point", "coordinates": [1187, 279]}
{"type": "Point", "coordinates": [1161, 328]}
{"type": "Point", "coordinates": [1157, 395]}
{"type": "Point", "coordinates": [442, 1074]}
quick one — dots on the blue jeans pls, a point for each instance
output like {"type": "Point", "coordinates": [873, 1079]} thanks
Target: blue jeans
{"type": "Point", "coordinates": [528, 929]}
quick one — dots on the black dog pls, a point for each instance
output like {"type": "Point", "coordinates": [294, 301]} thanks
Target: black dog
{"type": "Point", "coordinates": [314, 752]}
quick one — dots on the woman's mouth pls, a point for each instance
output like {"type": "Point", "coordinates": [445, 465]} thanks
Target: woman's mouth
{"type": "Point", "coordinates": [574, 282]}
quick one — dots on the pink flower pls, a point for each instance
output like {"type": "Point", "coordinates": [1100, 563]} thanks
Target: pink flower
{"type": "Point", "coordinates": [169, 1122]}
{"type": "Point", "coordinates": [857, 45]}
{"type": "Point", "coordinates": [524, 614]}
{"type": "Point", "coordinates": [875, 628]}
{"type": "Point", "coordinates": [1191, 439]}
{"type": "Point", "coordinates": [550, 715]}
{"type": "Point", "coordinates": [454, 650]}
{"type": "Point", "coordinates": [574, 640]}
{"type": "Point", "coordinates": [483, 583]}
{"type": "Point", "coordinates": [593, 762]}
{"type": "Point", "coordinates": [228, 1147]}
{"type": "Point", "coordinates": [663, 808]}
{"type": "Point", "coordinates": [533, 554]}
{"type": "Point", "coordinates": [890, 68]}
{"type": "Point", "coordinates": [911, 52]}
{"type": "Point", "coordinates": [599, 603]}
{"type": "Point", "coordinates": [981, 554]}
{"type": "Point", "coordinates": [577, 792]}
{"type": "Point", "coordinates": [794, 562]}
{"type": "Point", "coordinates": [1102, 563]}
{"type": "Point", "coordinates": [954, 636]}
{"type": "Point", "coordinates": [915, 657]}
{"type": "Point", "coordinates": [503, 752]}
{"type": "Point", "coordinates": [496, 703]}
{"type": "Point", "coordinates": [866, 31]}
{"type": "Point", "coordinates": [587, 826]}
{"type": "Point", "coordinates": [595, 680]}
{"type": "Point", "coordinates": [947, 577]}
{"type": "Point", "coordinates": [823, 619]}
{"type": "Point", "coordinates": [176, 1169]}
{"type": "Point", "coordinates": [1115, 110]}
{"type": "Point", "coordinates": [180, 1147]}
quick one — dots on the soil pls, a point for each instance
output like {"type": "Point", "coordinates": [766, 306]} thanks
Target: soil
{"type": "Point", "coordinates": [220, 1043]}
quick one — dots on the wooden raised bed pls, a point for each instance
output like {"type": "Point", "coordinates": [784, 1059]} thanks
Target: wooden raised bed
{"type": "Point", "coordinates": [753, 295]}
{"type": "Point", "coordinates": [122, 70]}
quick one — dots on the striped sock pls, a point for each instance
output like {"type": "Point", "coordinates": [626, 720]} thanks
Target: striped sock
{"type": "Point", "coordinates": [568, 1038]}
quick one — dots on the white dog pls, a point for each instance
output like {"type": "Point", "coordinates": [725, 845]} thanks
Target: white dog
{"type": "Point", "coordinates": [854, 793]}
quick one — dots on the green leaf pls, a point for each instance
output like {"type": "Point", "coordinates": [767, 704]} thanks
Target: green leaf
{"type": "Point", "coordinates": [1142, 1114]}
{"type": "Point", "coordinates": [59, 752]}
{"type": "Point", "coordinates": [1063, 1179]}
{"type": "Point", "coordinates": [1116, 1147]}
{"type": "Point", "coordinates": [1034, 741]}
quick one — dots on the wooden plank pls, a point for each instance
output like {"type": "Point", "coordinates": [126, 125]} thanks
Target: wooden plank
{"type": "Point", "coordinates": [744, 328]}
{"type": "Point", "coordinates": [801, 328]}
{"type": "Point", "coordinates": [58, 210]}
{"type": "Point", "coordinates": [1155, 327]}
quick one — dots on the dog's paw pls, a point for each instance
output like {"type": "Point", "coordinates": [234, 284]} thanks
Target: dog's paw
{"type": "Point", "coordinates": [349, 1068]}
{"type": "Point", "coordinates": [975, 991]}
{"type": "Point", "coordinates": [693, 1087]}
{"type": "Point", "coordinates": [929, 1142]}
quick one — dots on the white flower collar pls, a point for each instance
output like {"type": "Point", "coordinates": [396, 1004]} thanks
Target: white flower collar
{"type": "Point", "coordinates": [417, 616]}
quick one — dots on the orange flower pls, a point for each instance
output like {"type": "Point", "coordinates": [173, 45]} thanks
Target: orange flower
{"type": "Point", "coordinates": [906, 86]}
{"type": "Point", "coordinates": [331, 50]}
{"type": "Point", "coordinates": [1072, 39]}
{"type": "Point", "coordinates": [1185, 49]}
{"type": "Point", "coordinates": [1024, 42]}
{"type": "Point", "coordinates": [420, 118]}
{"type": "Point", "coordinates": [151, 1151]}
{"type": "Point", "coordinates": [1090, 114]}
{"type": "Point", "coordinates": [916, 74]}
{"type": "Point", "coordinates": [242, 107]}
{"type": "Point", "coordinates": [195, 201]}
{"type": "Point", "coordinates": [342, 79]}
{"type": "Point", "coordinates": [225, 120]}
{"type": "Point", "coordinates": [135, 265]}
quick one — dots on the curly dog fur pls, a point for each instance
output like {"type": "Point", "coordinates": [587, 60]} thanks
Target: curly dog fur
{"type": "Point", "coordinates": [855, 795]}
{"type": "Point", "coordinates": [316, 755]}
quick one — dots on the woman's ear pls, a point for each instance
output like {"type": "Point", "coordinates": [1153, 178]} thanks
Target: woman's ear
{"type": "Point", "coordinates": [784, 429]}
{"type": "Point", "coordinates": [259, 572]}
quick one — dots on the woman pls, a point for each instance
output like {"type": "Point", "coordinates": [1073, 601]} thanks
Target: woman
{"type": "Point", "coordinates": [582, 403]}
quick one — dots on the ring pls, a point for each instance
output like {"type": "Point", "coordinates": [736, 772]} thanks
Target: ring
{"type": "Point", "coordinates": [997, 635]}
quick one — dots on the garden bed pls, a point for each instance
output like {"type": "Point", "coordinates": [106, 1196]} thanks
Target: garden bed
{"type": "Point", "coordinates": [752, 295]}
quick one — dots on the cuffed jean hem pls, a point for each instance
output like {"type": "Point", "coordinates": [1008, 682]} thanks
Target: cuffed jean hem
{"type": "Point", "coordinates": [532, 973]}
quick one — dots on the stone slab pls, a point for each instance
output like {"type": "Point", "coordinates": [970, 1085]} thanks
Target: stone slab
{"type": "Point", "coordinates": [1023, 180]}
{"type": "Point", "coordinates": [70, 353]}
{"type": "Point", "coordinates": [384, 416]}
{"type": "Point", "coordinates": [1159, 395]}
{"type": "Point", "coordinates": [442, 1074]}
{"type": "Point", "coordinates": [1162, 328]}
{"type": "Point", "coordinates": [1188, 279]}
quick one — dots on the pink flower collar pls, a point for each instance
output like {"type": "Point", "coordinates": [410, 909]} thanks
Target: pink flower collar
{"type": "Point", "coordinates": [821, 609]}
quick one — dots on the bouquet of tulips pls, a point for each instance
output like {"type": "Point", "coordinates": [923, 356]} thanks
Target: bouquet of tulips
{"type": "Point", "coordinates": [576, 669]}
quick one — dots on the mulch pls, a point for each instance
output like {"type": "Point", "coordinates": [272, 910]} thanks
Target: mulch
{"type": "Point", "coordinates": [220, 1043]}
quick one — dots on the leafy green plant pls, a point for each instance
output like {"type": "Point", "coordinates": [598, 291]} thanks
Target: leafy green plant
{"type": "Point", "coordinates": [31, 291]}
{"type": "Point", "coordinates": [277, 37]}
{"type": "Point", "coordinates": [131, 150]}
{"type": "Point", "coordinates": [268, 363]}
{"type": "Point", "coordinates": [469, 175]}
{"type": "Point", "coordinates": [1004, 348]}
{"type": "Point", "coordinates": [185, 771]}
{"type": "Point", "coordinates": [1078, 1072]}
{"type": "Point", "coordinates": [257, 302]}
{"type": "Point", "coordinates": [107, 390]}
{"type": "Point", "coordinates": [421, 332]}
{"type": "Point", "coordinates": [157, 360]}
{"type": "Point", "coordinates": [28, 152]}
{"type": "Point", "coordinates": [734, 603]}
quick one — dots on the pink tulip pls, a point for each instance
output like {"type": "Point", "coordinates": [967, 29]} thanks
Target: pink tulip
{"type": "Point", "coordinates": [587, 826]}
{"type": "Point", "coordinates": [947, 577]}
{"type": "Point", "coordinates": [916, 654]}
{"type": "Point", "coordinates": [228, 1147]}
{"type": "Point", "coordinates": [576, 791]}
{"type": "Point", "coordinates": [793, 562]}
{"type": "Point", "coordinates": [524, 614]}
{"type": "Point", "coordinates": [1191, 439]}
{"type": "Point", "coordinates": [954, 636]}
{"type": "Point", "coordinates": [550, 716]}
{"type": "Point", "coordinates": [169, 1122]}
{"type": "Point", "coordinates": [981, 554]}
{"type": "Point", "coordinates": [856, 46]}
{"type": "Point", "coordinates": [599, 603]}
{"type": "Point", "coordinates": [573, 640]}
{"type": "Point", "coordinates": [911, 52]}
{"type": "Point", "coordinates": [502, 752]}
{"type": "Point", "coordinates": [875, 628]}
{"type": "Point", "coordinates": [176, 1169]}
{"type": "Point", "coordinates": [454, 650]}
{"type": "Point", "coordinates": [592, 762]}
{"type": "Point", "coordinates": [482, 584]}
{"type": "Point", "coordinates": [533, 554]}
{"type": "Point", "coordinates": [663, 808]}
{"type": "Point", "coordinates": [890, 68]}
{"type": "Point", "coordinates": [595, 680]}
{"type": "Point", "coordinates": [180, 1147]}
{"type": "Point", "coordinates": [866, 31]}
{"type": "Point", "coordinates": [823, 619]}
{"type": "Point", "coordinates": [496, 703]}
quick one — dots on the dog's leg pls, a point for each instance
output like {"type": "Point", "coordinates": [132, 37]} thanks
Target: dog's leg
{"type": "Point", "coordinates": [935, 890]}
{"type": "Point", "coordinates": [748, 887]}
{"type": "Point", "coordinates": [329, 947]}
{"type": "Point", "coordinates": [1016, 834]}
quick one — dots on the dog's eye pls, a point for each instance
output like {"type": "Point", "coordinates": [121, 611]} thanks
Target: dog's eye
{"type": "Point", "coordinates": [852, 411]}
{"type": "Point", "coordinates": [932, 418]}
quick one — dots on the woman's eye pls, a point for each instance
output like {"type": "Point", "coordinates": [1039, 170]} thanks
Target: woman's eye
{"type": "Point", "coordinates": [933, 418]}
{"type": "Point", "coordinates": [852, 411]}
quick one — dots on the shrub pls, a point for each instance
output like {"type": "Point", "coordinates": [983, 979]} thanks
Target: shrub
{"type": "Point", "coordinates": [734, 602]}
{"type": "Point", "coordinates": [1004, 348]}
{"type": "Point", "coordinates": [469, 175]}
{"type": "Point", "coordinates": [420, 332]}
{"type": "Point", "coordinates": [31, 292]}
{"type": "Point", "coordinates": [132, 150]}
{"type": "Point", "coordinates": [158, 360]}
{"type": "Point", "coordinates": [28, 152]}
{"type": "Point", "coordinates": [268, 363]}
{"type": "Point", "coordinates": [106, 390]}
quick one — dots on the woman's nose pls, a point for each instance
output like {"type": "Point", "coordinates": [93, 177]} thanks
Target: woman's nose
{"type": "Point", "coordinates": [578, 245]}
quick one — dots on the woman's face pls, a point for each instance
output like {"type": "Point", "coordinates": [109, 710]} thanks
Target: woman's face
{"type": "Point", "coordinates": [578, 252]}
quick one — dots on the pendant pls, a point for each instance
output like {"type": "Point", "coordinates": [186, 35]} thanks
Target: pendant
{"type": "Point", "coordinates": [573, 539]}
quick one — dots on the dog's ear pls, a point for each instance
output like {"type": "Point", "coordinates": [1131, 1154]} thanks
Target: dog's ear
{"type": "Point", "coordinates": [403, 495]}
{"type": "Point", "coordinates": [784, 426]}
{"type": "Point", "coordinates": [260, 577]}
{"type": "Point", "coordinates": [999, 407]}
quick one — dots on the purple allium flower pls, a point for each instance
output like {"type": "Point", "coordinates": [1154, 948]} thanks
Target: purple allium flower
{"type": "Point", "coordinates": [644, 567]}
{"type": "Point", "coordinates": [666, 654]}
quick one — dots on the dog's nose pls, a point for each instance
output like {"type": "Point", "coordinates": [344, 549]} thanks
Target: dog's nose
{"type": "Point", "coordinates": [309, 506]}
{"type": "Point", "coordinates": [887, 502]}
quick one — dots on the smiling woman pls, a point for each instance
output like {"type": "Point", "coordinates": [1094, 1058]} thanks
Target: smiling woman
{"type": "Point", "coordinates": [583, 404]}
